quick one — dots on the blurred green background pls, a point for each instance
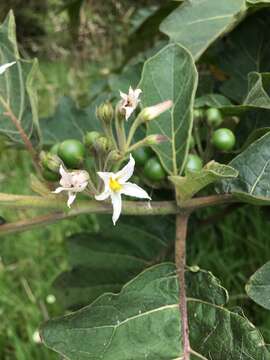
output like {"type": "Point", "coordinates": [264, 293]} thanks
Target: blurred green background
{"type": "Point", "coordinates": [77, 42]}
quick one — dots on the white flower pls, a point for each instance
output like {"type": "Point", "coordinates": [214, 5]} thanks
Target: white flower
{"type": "Point", "coordinates": [4, 67]}
{"type": "Point", "coordinates": [72, 182]}
{"type": "Point", "coordinates": [115, 185]}
{"type": "Point", "coordinates": [129, 101]}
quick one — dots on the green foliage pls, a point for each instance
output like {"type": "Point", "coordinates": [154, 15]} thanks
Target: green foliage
{"type": "Point", "coordinates": [197, 24]}
{"type": "Point", "coordinates": [194, 181]}
{"type": "Point", "coordinates": [105, 260]}
{"type": "Point", "coordinates": [116, 324]}
{"type": "Point", "coordinates": [162, 79]}
{"type": "Point", "coordinates": [17, 87]}
{"type": "Point", "coordinates": [258, 286]}
{"type": "Point", "coordinates": [252, 184]}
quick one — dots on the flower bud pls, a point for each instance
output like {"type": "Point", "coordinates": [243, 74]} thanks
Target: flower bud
{"type": "Point", "coordinates": [105, 112]}
{"type": "Point", "coordinates": [51, 161]}
{"type": "Point", "coordinates": [115, 155]}
{"type": "Point", "coordinates": [153, 112]}
{"type": "Point", "coordinates": [155, 139]}
{"type": "Point", "coordinates": [91, 137]}
{"type": "Point", "coordinates": [102, 144]}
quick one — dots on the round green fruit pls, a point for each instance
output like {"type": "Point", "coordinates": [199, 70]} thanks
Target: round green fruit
{"type": "Point", "coordinates": [194, 163]}
{"type": "Point", "coordinates": [141, 155]}
{"type": "Point", "coordinates": [54, 149]}
{"type": "Point", "coordinates": [72, 152]}
{"type": "Point", "coordinates": [214, 117]}
{"type": "Point", "coordinates": [153, 170]}
{"type": "Point", "coordinates": [49, 175]}
{"type": "Point", "coordinates": [198, 114]}
{"type": "Point", "coordinates": [223, 139]}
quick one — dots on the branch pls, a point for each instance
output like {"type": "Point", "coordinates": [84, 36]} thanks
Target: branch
{"type": "Point", "coordinates": [180, 261]}
{"type": "Point", "coordinates": [28, 145]}
{"type": "Point", "coordinates": [61, 211]}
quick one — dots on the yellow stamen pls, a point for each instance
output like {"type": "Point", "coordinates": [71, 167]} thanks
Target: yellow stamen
{"type": "Point", "coordinates": [114, 185]}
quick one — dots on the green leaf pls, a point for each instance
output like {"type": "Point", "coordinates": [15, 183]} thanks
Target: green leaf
{"type": "Point", "coordinates": [247, 50]}
{"type": "Point", "coordinates": [106, 260]}
{"type": "Point", "coordinates": [69, 121]}
{"type": "Point", "coordinates": [193, 182]}
{"type": "Point", "coordinates": [143, 321]}
{"type": "Point", "coordinates": [252, 185]}
{"type": "Point", "coordinates": [171, 75]}
{"type": "Point", "coordinates": [258, 286]}
{"type": "Point", "coordinates": [17, 86]}
{"type": "Point", "coordinates": [197, 24]}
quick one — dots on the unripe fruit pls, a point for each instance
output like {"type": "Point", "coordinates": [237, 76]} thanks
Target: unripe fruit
{"type": "Point", "coordinates": [223, 139]}
{"type": "Point", "coordinates": [214, 117]}
{"type": "Point", "coordinates": [153, 170]}
{"type": "Point", "coordinates": [194, 163]}
{"type": "Point", "coordinates": [141, 155]}
{"type": "Point", "coordinates": [54, 149]}
{"type": "Point", "coordinates": [72, 152]}
{"type": "Point", "coordinates": [102, 144]}
{"type": "Point", "coordinates": [198, 114]}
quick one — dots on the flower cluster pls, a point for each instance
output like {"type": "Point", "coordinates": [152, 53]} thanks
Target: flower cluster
{"type": "Point", "coordinates": [115, 184]}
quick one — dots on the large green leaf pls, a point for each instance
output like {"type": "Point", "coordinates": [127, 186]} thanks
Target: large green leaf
{"type": "Point", "coordinates": [105, 260]}
{"type": "Point", "coordinates": [258, 286]}
{"type": "Point", "coordinates": [69, 121]}
{"type": "Point", "coordinates": [171, 75]}
{"type": "Point", "coordinates": [17, 86]}
{"type": "Point", "coordinates": [143, 322]}
{"type": "Point", "coordinates": [193, 182]}
{"type": "Point", "coordinates": [253, 164]}
{"type": "Point", "coordinates": [247, 50]}
{"type": "Point", "coordinates": [197, 24]}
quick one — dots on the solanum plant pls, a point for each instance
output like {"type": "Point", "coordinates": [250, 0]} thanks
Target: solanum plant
{"type": "Point", "coordinates": [191, 121]}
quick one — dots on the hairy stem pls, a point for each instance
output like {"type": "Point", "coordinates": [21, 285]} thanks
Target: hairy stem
{"type": "Point", "coordinates": [28, 145]}
{"type": "Point", "coordinates": [180, 261]}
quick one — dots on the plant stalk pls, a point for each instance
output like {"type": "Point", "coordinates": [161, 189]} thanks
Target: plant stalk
{"type": "Point", "coordinates": [28, 145]}
{"type": "Point", "coordinates": [180, 261]}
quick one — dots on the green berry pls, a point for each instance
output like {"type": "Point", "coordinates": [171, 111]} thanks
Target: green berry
{"type": "Point", "coordinates": [214, 117]}
{"type": "Point", "coordinates": [223, 139]}
{"type": "Point", "coordinates": [194, 163]}
{"type": "Point", "coordinates": [153, 170]}
{"type": "Point", "coordinates": [141, 155]}
{"type": "Point", "coordinates": [72, 152]}
{"type": "Point", "coordinates": [54, 149]}
{"type": "Point", "coordinates": [198, 114]}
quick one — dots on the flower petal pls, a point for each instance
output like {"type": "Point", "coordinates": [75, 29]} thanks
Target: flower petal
{"type": "Point", "coordinates": [71, 198]}
{"type": "Point", "coordinates": [128, 111]}
{"type": "Point", "coordinates": [135, 191]}
{"type": "Point", "coordinates": [124, 174]}
{"type": "Point", "coordinates": [4, 67]}
{"type": "Point", "coordinates": [103, 196]}
{"type": "Point", "coordinates": [58, 190]}
{"type": "Point", "coordinates": [105, 176]}
{"type": "Point", "coordinates": [137, 93]}
{"type": "Point", "coordinates": [117, 206]}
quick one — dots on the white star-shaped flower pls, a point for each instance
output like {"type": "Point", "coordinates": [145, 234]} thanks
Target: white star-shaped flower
{"type": "Point", "coordinates": [129, 101]}
{"type": "Point", "coordinates": [115, 185]}
{"type": "Point", "coordinates": [73, 182]}
{"type": "Point", "coordinates": [4, 67]}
